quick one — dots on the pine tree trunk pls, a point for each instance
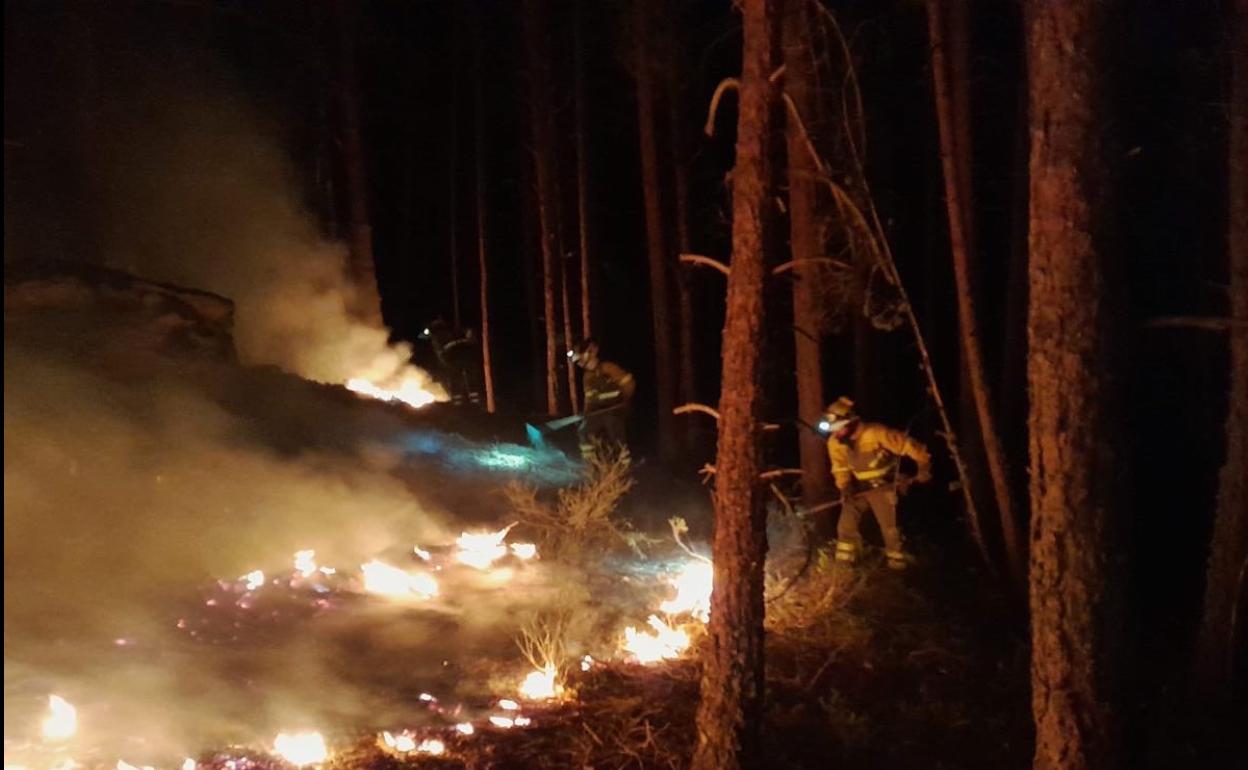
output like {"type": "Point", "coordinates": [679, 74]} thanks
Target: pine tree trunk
{"type": "Point", "coordinates": [569, 333]}
{"type": "Point", "coordinates": [1075, 461]}
{"type": "Point", "coordinates": [799, 75]}
{"type": "Point", "coordinates": [582, 168]}
{"type": "Point", "coordinates": [366, 301]}
{"type": "Point", "coordinates": [948, 24]}
{"type": "Point", "coordinates": [535, 26]}
{"type": "Point", "coordinates": [452, 185]}
{"type": "Point", "coordinates": [1227, 577]}
{"type": "Point", "coordinates": [730, 711]}
{"type": "Point", "coordinates": [659, 260]}
{"type": "Point", "coordinates": [478, 116]}
{"type": "Point", "coordinates": [684, 245]}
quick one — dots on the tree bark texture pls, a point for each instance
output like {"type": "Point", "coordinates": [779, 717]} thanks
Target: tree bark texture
{"type": "Point", "coordinates": [656, 247]}
{"type": "Point", "coordinates": [541, 116]}
{"type": "Point", "coordinates": [730, 711]}
{"type": "Point", "coordinates": [1073, 429]}
{"type": "Point", "coordinates": [582, 168]}
{"type": "Point", "coordinates": [947, 24]}
{"type": "Point", "coordinates": [1226, 579]}
{"type": "Point", "coordinates": [478, 114]}
{"type": "Point", "coordinates": [361, 268]}
{"type": "Point", "coordinates": [804, 244]}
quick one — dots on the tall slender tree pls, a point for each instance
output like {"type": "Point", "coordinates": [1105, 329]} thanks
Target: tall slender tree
{"type": "Point", "coordinates": [541, 118]}
{"type": "Point", "coordinates": [483, 267]}
{"type": "Point", "coordinates": [732, 669]}
{"type": "Point", "coordinates": [948, 31]}
{"type": "Point", "coordinates": [659, 259]}
{"type": "Point", "coordinates": [1075, 460]}
{"type": "Point", "coordinates": [804, 244]}
{"type": "Point", "coordinates": [1226, 580]}
{"type": "Point", "coordinates": [367, 301]}
{"type": "Point", "coordinates": [582, 166]}
{"type": "Point", "coordinates": [680, 190]}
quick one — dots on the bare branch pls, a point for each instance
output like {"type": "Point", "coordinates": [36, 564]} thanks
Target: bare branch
{"type": "Point", "coordinates": [779, 73]}
{"type": "Point", "coordinates": [792, 263]}
{"type": "Point", "coordinates": [1206, 323]}
{"type": "Point", "coordinates": [724, 85]}
{"type": "Point", "coordinates": [698, 259]}
{"type": "Point", "coordinates": [776, 473]}
{"type": "Point", "coordinates": [691, 407]}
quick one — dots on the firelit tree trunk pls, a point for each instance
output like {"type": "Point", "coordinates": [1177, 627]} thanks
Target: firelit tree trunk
{"type": "Point", "coordinates": [1227, 576]}
{"type": "Point", "coordinates": [659, 259]}
{"type": "Point", "coordinates": [947, 23]}
{"type": "Point", "coordinates": [730, 712]}
{"type": "Point", "coordinates": [582, 167]}
{"type": "Point", "coordinates": [478, 117]}
{"type": "Point", "coordinates": [680, 171]}
{"type": "Point", "coordinates": [1073, 430]}
{"type": "Point", "coordinates": [366, 301]}
{"type": "Point", "coordinates": [535, 27]}
{"type": "Point", "coordinates": [804, 243]}
{"type": "Point", "coordinates": [569, 334]}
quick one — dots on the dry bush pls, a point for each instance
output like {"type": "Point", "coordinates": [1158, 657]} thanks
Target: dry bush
{"type": "Point", "coordinates": [813, 608]}
{"type": "Point", "coordinates": [543, 640]}
{"type": "Point", "coordinates": [579, 524]}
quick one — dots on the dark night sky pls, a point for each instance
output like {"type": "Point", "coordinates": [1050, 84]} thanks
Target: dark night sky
{"type": "Point", "coordinates": [416, 58]}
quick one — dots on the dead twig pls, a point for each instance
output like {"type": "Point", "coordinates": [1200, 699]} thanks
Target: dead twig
{"type": "Point", "coordinates": [723, 86]}
{"type": "Point", "coordinates": [698, 259]}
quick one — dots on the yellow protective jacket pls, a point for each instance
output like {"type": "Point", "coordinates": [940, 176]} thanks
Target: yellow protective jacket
{"type": "Point", "coordinates": [872, 454]}
{"type": "Point", "coordinates": [606, 385]}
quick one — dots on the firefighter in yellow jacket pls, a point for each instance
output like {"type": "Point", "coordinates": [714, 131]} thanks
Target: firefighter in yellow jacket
{"type": "Point", "coordinates": [609, 390]}
{"type": "Point", "coordinates": [866, 464]}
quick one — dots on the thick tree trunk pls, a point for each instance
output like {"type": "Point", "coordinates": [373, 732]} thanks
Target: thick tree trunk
{"type": "Point", "coordinates": [361, 269]}
{"type": "Point", "coordinates": [730, 711]}
{"type": "Point", "coordinates": [799, 77]}
{"type": "Point", "coordinates": [535, 26]}
{"type": "Point", "coordinates": [1075, 462]}
{"type": "Point", "coordinates": [1227, 577]}
{"type": "Point", "coordinates": [947, 25]}
{"type": "Point", "coordinates": [582, 168]}
{"type": "Point", "coordinates": [659, 259]}
{"type": "Point", "coordinates": [478, 116]}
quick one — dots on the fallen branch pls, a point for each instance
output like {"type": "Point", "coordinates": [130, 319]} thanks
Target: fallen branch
{"type": "Point", "coordinates": [698, 259]}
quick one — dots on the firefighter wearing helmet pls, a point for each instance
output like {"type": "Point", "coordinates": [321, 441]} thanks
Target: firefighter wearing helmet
{"type": "Point", "coordinates": [609, 390]}
{"type": "Point", "coordinates": [866, 464]}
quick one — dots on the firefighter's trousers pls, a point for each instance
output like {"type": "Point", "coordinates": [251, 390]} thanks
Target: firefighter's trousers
{"type": "Point", "coordinates": [882, 503]}
{"type": "Point", "coordinates": [609, 426]}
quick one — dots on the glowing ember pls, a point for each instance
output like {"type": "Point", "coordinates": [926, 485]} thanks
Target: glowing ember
{"type": "Point", "coordinates": [587, 663]}
{"type": "Point", "coordinates": [693, 591]}
{"type": "Point", "coordinates": [124, 765]}
{"type": "Point", "coordinates": [542, 684]}
{"type": "Point", "coordinates": [301, 749]}
{"type": "Point", "coordinates": [381, 578]}
{"type": "Point", "coordinates": [189, 764]}
{"type": "Point", "coordinates": [663, 644]}
{"type": "Point", "coordinates": [507, 704]}
{"type": "Point", "coordinates": [427, 698]}
{"type": "Point", "coordinates": [410, 391]}
{"type": "Point", "coordinates": [503, 722]}
{"type": "Point", "coordinates": [305, 563]}
{"type": "Point", "coordinates": [481, 549]}
{"type": "Point", "coordinates": [422, 553]}
{"type": "Point", "coordinates": [465, 728]}
{"type": "Point", "coordinates": [402, 743]}
{"type": "Point", "coordinates": [253, 579]}
{"type": "Point", "coordinates": [431, 746]}
{"type": "Point", "coordinates": [62, 720]}
{"type": "Point", "coordinates": [523, 722]}
{"type": "Point", "coordinates": [524, 551]}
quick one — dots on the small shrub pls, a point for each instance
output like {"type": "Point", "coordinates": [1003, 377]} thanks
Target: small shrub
{"type": "Point", "coordinates": [579, 525]}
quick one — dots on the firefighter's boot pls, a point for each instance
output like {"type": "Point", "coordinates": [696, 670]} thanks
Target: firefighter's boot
{"type": "Point", "coordinates": [846, 553]}
{"type": "Point", "coordinates": [898, 560]}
